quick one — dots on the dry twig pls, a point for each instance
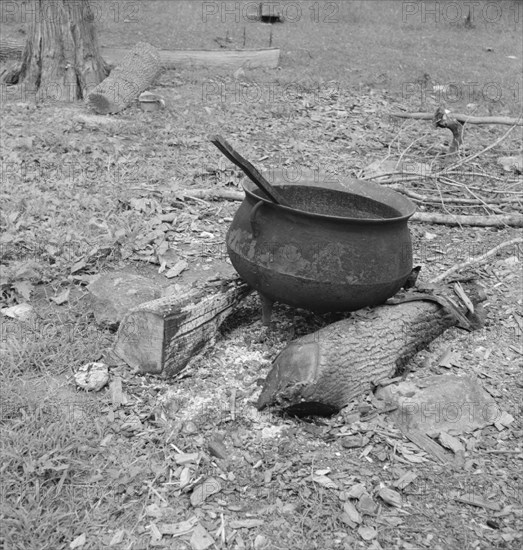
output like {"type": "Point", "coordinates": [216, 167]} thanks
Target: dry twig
{"type": "Point", "coordinates": [468, 119]}
{"type": "Point", "coordinates": [476, 259]}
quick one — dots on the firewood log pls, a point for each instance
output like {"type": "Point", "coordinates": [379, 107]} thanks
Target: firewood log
{"type": "Point", "coordinates": [127, 81]}
{"type": "Point", "coordinates": [322, 372]}
{"type": "Point", "coordinates": [163, 335]}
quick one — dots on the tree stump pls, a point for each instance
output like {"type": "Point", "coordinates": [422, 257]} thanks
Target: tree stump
{"type": "Point", "coordinates": [61, 58]}
{"type": "Point", "coordinates": [135, 74]}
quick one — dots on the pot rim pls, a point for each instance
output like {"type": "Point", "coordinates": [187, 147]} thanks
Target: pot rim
{"type": "Point", "coordinates": [366, 189]}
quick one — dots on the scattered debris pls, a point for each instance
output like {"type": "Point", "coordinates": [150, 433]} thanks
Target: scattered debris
{"type": "Point", "coordinates": [92, 376]}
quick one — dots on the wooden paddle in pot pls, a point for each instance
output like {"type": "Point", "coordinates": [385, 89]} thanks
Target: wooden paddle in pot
{"type": "Point", "coordinates": [250, 171]}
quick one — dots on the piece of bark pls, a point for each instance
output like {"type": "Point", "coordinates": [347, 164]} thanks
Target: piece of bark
{"type": "Point", "coordinates": [127, 81]}
{"type": "Point", "coordinates": [162, 336]}
{"type": "Point", "coordinates": [424, 442]}
{"type": "Point", "coordinates": [322, 372]}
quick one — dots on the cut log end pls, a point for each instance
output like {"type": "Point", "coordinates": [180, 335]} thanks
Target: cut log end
{"type": "Point", "coordinates": [140, 342]}
{"type": "Point", "coordinates": [323, 372]}
{"type": "Point", "coordinates": [162, 336]}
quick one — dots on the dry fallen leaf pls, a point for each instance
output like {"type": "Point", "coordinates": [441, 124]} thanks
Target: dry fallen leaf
{"type": "Point", "coordinates": [201, 539]}
{"type": "Point", "coordinates": [450, 442]}
{"type": "Point", "coordinates": [367, 533]}
{"type": "Point", "coordinates": [117, 537]}
{"type": "Point", "coordinates": [204, 490]}
{"type": "Point", "coordinates": [324, 481]}
{"type": "Point", "coordinates": [405, 480]}
{"type": "Point", "coordinates": [245, 523]}
{"type": "Point", "coordinates": [78, 542]}
{"type": "Point", "coordinates": [62, 298]}
{"type": "Point", "coordinates": [178, 529]}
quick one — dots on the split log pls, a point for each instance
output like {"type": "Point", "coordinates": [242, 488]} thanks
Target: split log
{"type": "Point", "coordinates": [161, 336]}
{"type": "Point", "coordinates": [322, 372]}
{"type": "Point", "coordinates": [135, 74]}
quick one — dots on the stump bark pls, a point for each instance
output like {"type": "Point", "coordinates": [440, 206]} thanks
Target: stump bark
{"type": "Point", "coordinates": [323, 372]}
{"type": "Point", "coordinates": [61, 58]}
{"type": "Point", "coordinates": [10, 49]}
{"type": "Point", "coordinates": [135, 74]}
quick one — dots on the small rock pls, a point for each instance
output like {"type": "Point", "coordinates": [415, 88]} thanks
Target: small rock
{"type": "Point", "coordinates": [260, 542]}
{"type": "Point", "coordinates": [352, 441]}
{"type": "Point", "coordinates": [92, 376]}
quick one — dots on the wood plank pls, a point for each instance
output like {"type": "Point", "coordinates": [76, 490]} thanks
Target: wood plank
{"type": "Point", "coordinates": [173, 59]}
{"type": "Point", "coordinates": [224, 59]}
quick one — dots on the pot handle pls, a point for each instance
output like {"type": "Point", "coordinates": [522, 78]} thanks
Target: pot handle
{"type": "Point", "coordinates": [252, 218]}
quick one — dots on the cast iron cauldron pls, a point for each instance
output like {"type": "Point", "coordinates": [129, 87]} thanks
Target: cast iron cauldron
{"type": "Point", "coordinates": [341, 247]}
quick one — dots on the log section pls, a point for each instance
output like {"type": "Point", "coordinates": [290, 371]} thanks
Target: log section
{"type": "Point", "coordinates": [322, 372]}
{"type": "Point", "coordinates": [161, 336]}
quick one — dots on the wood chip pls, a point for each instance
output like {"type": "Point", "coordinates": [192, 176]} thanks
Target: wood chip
{"type": "Point", "coordinates": [246, 523]}
{"type": "Point", "coordinates": [475, 500]}
{"type": "Point", "coordinates": [201, 539]}
{"type": "Point", "coordinates": [450, 442]}
{"type": "Point", "coordinates": [178, 529]}
{"type": "Point", "coordinates": [405, 480]}
{"type": "Point", "coordinates": [352, 512]}
{"type": "Point", "coordinates": [390, 496]}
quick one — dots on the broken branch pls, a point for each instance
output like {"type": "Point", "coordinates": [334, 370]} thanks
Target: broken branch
{"type": "Point", "coordinates": [477, 259]}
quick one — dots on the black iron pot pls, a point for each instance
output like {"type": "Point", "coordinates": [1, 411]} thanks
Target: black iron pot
{"type": "Point", "coordinates": [342, 246]}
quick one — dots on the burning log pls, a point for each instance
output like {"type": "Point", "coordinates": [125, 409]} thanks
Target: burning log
{"type": "Point", "coordinates": [322, 372]}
